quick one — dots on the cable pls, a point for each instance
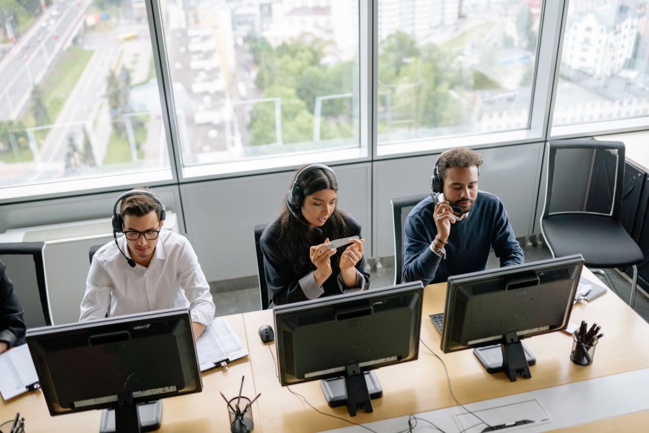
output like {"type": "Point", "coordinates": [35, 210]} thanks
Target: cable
{"type": "Point", "coordinates": [411, 417]}
{"type": "Point", "coordinates": [450, 389]}
{"type": "Point", "coordinates": [310, 405]}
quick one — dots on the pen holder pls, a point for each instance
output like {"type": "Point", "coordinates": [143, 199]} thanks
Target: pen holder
{"type": "Point", "coordinates": [582, 353]}
{"type": "Point", "coordinates": [240, 413]}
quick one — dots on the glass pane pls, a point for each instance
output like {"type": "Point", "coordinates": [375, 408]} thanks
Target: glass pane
{"type": "Point", "coordinates": [604, 72]}
{"type": "Point", "coordinates": [80, 96]}
{"type": "Point", "coordinates": [259, 79]}
{"type": "Point", "coordinates": [455, 67]}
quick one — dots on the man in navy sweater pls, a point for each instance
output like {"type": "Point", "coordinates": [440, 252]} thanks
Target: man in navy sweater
{"type": "Point", "coordinates": [452, 232]}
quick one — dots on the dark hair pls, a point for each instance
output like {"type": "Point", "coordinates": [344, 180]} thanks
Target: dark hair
{"type": "Point", "coordinates": [294, 236]}
{"type": "Point", "coordinates": [460, 157]}
{"type": "Point", "coordinates": [140, 205]}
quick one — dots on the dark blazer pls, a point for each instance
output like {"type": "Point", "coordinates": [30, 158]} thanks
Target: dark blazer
{"type": "Point", "coordinates": [284, 283]}
{"type": "Point", "coordinates": [12, 323]}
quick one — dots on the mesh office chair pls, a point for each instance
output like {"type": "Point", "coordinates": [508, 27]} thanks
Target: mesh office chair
{"type": "Point", "coordinates": [26, 269]}
{"type": "Point", "coordinates": [583, 201]}
{"type": "Point", "coordinates": [401, 206]}
{"type": "Point", "coordinates": [261, 275]}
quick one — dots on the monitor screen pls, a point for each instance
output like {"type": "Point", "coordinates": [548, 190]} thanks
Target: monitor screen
{"type": "Point", "coordinates": [504, 305]}
{"type": "Point", "coordinates": [348, 335]}
{"type": "Point", "coordinates": [116, 363]}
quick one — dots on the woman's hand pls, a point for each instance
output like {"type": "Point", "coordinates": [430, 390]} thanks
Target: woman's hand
{"type": "Point", "coordinates": [320, 256]}
{"type": "Point", "coordinates": [348, 261]}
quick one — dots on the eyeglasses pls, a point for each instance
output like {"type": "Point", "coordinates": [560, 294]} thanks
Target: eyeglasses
{"type": "Point", "coordinates": [134, 235]}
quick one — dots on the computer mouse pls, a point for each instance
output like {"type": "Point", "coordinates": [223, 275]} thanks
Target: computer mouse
{"type": "Point", "coordinates": [266, 333]}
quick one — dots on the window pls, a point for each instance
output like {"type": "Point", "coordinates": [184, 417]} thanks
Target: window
{"type": "Point", "coordinates": [80, 105]}
{"type": "Point", "coordinates": [453, 68]}
{"type": "Point", "coordinates": [600, 85]}
{"type": "Point", "coordinates": [254, 81]}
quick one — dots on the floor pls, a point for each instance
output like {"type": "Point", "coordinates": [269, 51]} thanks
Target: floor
{"type": "Point", "coordinates": [232, 299]}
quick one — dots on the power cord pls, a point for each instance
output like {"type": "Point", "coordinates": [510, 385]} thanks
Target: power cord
{"type": "Point", "coordinates": [450, 389]}
{"type": "Point", "coordinates": [412, 419]}
{"type": "Point", "coordinates": [310, 405]}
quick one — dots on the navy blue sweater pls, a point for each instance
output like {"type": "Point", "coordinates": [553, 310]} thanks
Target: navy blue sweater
{"type": "Point", "coordinates": [469, 244]}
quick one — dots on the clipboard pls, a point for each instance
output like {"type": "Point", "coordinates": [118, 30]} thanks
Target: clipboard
{"type": "Point", "coordinates": [219, 345]}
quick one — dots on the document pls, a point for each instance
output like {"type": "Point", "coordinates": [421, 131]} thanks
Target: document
{"type": "Point", "coordinates": [589, 290]}
{"type": "Point", "coordinates": [17, 372]}
{"type": "Point", "coordinates": [219, 344]}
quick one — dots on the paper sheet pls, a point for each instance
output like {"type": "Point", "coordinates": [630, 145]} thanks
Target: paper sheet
{"type": "Point", "coordinates": [219, 343]}
{"type": "Point", "coordinates": [17, 372]}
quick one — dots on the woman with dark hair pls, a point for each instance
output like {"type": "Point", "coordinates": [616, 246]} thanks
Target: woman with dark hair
{"type": "Point", "coordinates": [12, 323]}
{"type": "Point", "coordinates": [298, 259]}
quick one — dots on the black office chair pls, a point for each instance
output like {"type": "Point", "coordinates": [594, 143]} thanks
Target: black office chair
{"type": "Point", "coordinates": [261, 275]}
{"type": "Point", "coordinates": [401, 206]}
{"type": "Point", "coordinates": [26, 269]}
{"type": "Point", "coordinates": [92, 250]}
{"type": "Point", "coordinates": [582, 212]}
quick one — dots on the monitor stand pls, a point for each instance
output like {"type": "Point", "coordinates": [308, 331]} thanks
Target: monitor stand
{"type": "Point", "coordinates": [143, 417]}
{"type": "Point", "coordinates": [511, 357]}
{"type": "Point", "coordinates": [354, 391]}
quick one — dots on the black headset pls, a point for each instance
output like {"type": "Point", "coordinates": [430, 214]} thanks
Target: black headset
{"type": "Point", "coordinates": [436, 181]}
{"type": "Point", "coordinates": [295, 195]}
{"type": "Point", "coordinates": [118, 221]}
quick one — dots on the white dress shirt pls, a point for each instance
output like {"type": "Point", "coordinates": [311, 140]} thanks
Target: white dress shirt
{"type": "Point", "coordinates": [173, 279]}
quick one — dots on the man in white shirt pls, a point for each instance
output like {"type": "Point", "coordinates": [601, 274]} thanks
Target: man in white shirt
{"type": "Point", "coordinates": [146, 270]}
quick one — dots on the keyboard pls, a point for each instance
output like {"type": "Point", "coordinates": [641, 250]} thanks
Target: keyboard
{"type": "Point", "coordinates": [438, 321]}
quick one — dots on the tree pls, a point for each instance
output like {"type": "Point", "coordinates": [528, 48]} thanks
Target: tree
{"type": "Point", "coordinates": [39, 109]}
{"type": "Point", "coordinates": [87, 153]}
{"type": "Point", "coordinates": [118, 90]}
{"type": "Point", "coordinates": [72, 156]}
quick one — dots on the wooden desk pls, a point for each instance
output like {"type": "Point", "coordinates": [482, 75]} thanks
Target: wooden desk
{"type": "Point", "coordinates": [200, 412]}
{"type": "Point", "coordinates": [413, 387]}
{"type": "Point", "coordinates": [421, 385]}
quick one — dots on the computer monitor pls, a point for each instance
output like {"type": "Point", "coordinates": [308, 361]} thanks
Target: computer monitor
{"type": "Point", "coordinates": [348, 335]}
{"type": "Point", "coordinates": [504, 305]}
{"type": "Point", "coordinates": [116, 363]}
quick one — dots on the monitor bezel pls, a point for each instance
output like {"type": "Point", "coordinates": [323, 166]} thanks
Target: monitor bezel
{"type": "Point", "coordinates": [37, 337]}
{"type": "Point", "coordinates": [454, 284]}
{"type": "Point", "coordinates": [304, 307]}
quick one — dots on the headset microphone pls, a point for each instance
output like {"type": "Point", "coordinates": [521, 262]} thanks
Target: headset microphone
{"type": "Point", "coordinates": [316, 230]}
{"type": "Point", "coordinates": [118, 222]}
{"type": "Point", "coordinates": [129, 260]}
{"type": "Point", "coordinates": [457, 210]}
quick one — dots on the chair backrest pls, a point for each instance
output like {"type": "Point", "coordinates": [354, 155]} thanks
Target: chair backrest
{"type": "Point", "coordinates": [261, 273]}
{"type": "Point", "coordinates": [92, 250]}
{"type": "Point", "coordinates": [585, 168]}
{"type": "Point", "coordinates": [401, 206]}
{"type": "Point", "coordinates": [26, 269]}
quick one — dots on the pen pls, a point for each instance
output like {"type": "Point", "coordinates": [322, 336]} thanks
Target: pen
{"type": "Point", "coordinates": [240, 389]}
{"type": "Point", "coordinates": [15, 423]}
{"type": "Point", "coordinates": [245, 409]}
{"type": "Point", "coordinates": [582, 331]}
{"type": "Point", "coordinates": [228, 403]}
{"type": "Point", "coordinates": [591, 332]}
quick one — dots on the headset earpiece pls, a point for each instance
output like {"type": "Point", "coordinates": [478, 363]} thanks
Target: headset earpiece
{"type": "Point", "coordinates": [436, 182]}
{"type": "Point", "coordinates": [295, 196]}
{"type": "Point", "coordinates": [118, 222]}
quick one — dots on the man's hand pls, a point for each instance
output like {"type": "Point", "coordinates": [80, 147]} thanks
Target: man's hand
{"type": "Point", "coordinates": [3, 346]}
{"type": "Point", "coordinates": [198, 329]}
{"type": "Point", "coordinates": [443, 217]}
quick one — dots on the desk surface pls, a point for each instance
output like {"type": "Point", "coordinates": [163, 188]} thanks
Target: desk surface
{"type": "Point", "coordinates": [413, 387]}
